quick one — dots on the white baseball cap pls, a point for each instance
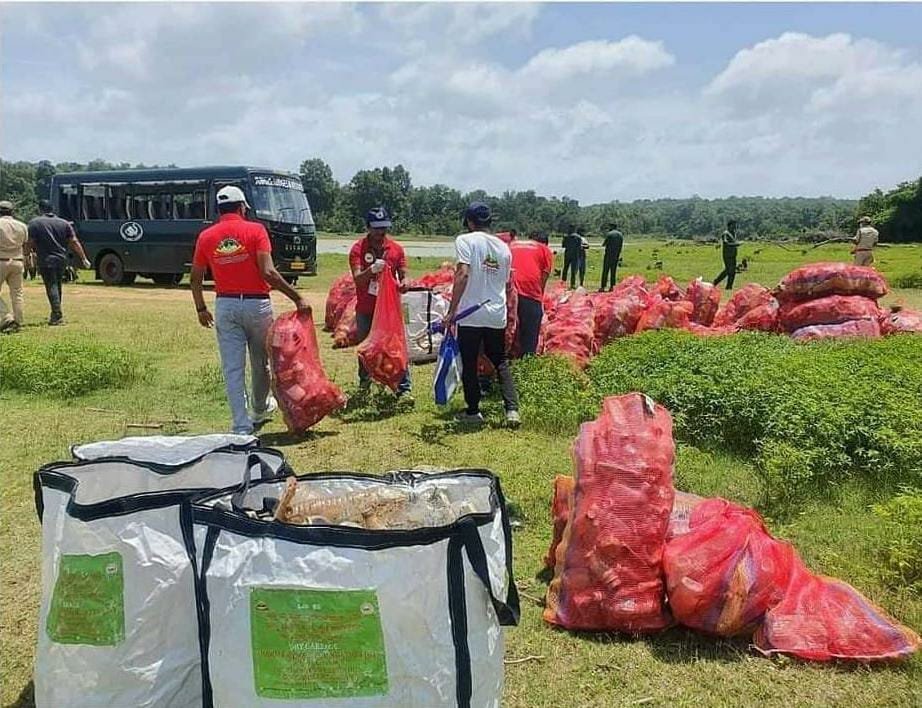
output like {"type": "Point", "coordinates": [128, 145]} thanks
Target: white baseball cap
{"type": "Point", "coordinates": [231, 195]}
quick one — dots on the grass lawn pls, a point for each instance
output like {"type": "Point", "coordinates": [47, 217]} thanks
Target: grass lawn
{"type": "Point", "coordinates": [837, 536]}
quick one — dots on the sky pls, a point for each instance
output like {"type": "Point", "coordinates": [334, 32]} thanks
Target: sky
{"type": "Point", "coordinates": [593, 101]}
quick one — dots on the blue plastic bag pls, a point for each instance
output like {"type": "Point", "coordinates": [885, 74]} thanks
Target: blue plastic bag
{"type": "Point", "coordinates": [447, 370]}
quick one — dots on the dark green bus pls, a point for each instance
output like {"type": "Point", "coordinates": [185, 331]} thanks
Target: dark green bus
{"type": "Point", "coordinates": [145, 222]}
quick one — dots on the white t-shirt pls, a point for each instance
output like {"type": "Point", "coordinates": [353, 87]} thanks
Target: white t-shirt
{"type": "Point", "coordinates": [490, 264]}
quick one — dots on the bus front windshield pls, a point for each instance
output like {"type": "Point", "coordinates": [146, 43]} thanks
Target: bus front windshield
{"type": "Point", "coordinates": [281, 199]}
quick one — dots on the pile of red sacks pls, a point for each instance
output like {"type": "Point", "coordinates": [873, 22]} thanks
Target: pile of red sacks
{"type": "Point", "coordinates": [302, 389]}
{"type": "Point", "coordinates": [630, 554]}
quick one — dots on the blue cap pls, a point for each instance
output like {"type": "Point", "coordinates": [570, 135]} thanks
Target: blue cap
{"type": "Point", "coordinates": [378, 218]}
{"type": "Point", "coordinates": [478, 212]}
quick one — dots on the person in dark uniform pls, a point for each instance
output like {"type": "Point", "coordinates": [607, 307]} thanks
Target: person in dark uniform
{"type": "Point", "coordinates": [729, 246]}
{"type": "Point", "coordinates": [613, 242]}
{"type": "Point", "coordinates": [572, 245]}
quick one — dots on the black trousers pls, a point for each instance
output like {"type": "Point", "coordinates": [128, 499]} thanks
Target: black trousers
{"type": "Point", "coordinates": [571, 265]}
{"type": "Point", "coordinates": [494, 347]}
{"type": "Point", "coordinates": [729, 271]}
{"type": "Point", "coordinates": [53, 278]}
{"type": "Point", "coordinates": [530, 314]}
{"type": "Point", "coordinates": [610, 267]}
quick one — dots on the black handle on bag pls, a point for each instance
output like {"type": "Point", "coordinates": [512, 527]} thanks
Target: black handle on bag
{"type": "Point", "coordinates": [509, 609]}
{"type": "Point", "coordinates": [265, 472]}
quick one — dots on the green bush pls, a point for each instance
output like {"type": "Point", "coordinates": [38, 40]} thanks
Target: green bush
{"type": "Point", "coordinates": [907, 280]}
{"type": "Point", "coordinates": [902, 517]}
{"type": "Point", "coordinates": [64, 368]}
{"type": "Point", "coordinates": [809, 415]}
{"type": "Point", "coordinates": [553, 395]}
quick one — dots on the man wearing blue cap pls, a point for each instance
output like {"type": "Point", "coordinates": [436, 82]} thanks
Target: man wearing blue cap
{"type": "Point", "coordinates": [482, 275]}
{"type": "Point", "coordinates": [368, 257]}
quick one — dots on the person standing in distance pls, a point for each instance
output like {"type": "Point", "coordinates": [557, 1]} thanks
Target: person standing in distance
{"type": "Point", "coordinates": [729, 246]}
{"type": "Point", "coordinates": [14, 252]}
{"type": "Point", "coordinates": [572, 245]}
{"type": "Point", "coordinates": [532, 262]}
{"type": "Point", "coordinates": [238, 254]}
{"type": "Point", "coordinates": [368, 257]}
{"type": "Point", "coordinates": [613, 242]}
{"type": "Point", "coordinates": [481, 274]}
{"type": "Point", "coordinates": [50, 237]}
{"type": "Point", "coordinates": [865, 240]}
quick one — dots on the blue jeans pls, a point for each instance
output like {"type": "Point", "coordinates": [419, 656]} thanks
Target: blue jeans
{"type": "Point", "coordinates": [241, 326]}
{"type": "Point", "coordinates": [363, 324]}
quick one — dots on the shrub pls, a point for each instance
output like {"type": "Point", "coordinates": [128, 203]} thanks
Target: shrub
{"type": "Point", "coordinates": [809, 415]}
{"type": "Point", "coordinates": [553, 395]}
{"type": "Point", "coordinates": [64, 368]}
{"type": "Point", "coordinates": [907, 280]}
{"type": "Point", "coordinates": [902, 517]}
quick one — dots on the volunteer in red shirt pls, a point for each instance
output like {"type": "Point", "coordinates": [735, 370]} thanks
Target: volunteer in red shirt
{"type": "Point", "coordinates": [532, 263]}
{"type": "Point", "coordinates": [239, 256]}
{"type": "Point", "coordinates": [368, 257]}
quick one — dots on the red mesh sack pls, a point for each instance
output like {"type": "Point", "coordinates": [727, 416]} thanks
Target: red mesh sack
{"type": "Point", "coordinates": [703, 331]}
{"type": "Point", "coordinates": [821, 279]}
{"type": "Point", "coordinates": [341, 291]}
{"type": "Point", "coordinates": [553, 296]}
{"type": "Point", "coordinates": [617, 313]}
{"type": "Point", "coordinates": [763, 318]}
{"type": "Point", "coordinates": [632, 282]}
{"type": "Point", "coordinates": [832, 309]}
{"type": "Point", "coordinates": [852, 328]}
{"type": "Point", "coordinates": [570, 330]}
{"type": "Point", "coordinates": [901, 320]}
{"type": "Point", "coordinates": [608, 569]}
{"type": "Point", "coordinates": [384, 352]}
{"type": "Point", "coordinates": [726, 572]}
{"type": "Point", "coordinates": [667, 288]}
{"type": "Point", "coordinates": [683, 504]}
{"type": "Point", "coordinates": [560, 513]}
{"type": "Point", "coordinates": [662, 313]}
{"type": "Point", "coordinates": [443, 276]}
{"type": "Point", "coordinates": [705, 300]}
{"type": "Point", "coordinates": [747, 298]}
{"type": "Point", "coordinates": [346, 333]}
{"type": "Point", "coordinates": [302, 389]}
{"type": "Point", "coordinates": [822, 619]}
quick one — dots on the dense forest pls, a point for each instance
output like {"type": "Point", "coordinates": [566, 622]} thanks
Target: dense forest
{"type": "Point", "coordinates": [436, 209]}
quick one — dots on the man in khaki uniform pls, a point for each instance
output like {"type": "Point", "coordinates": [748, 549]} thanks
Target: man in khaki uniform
{"type": "Point", "coordinates": [865, 240]}
{"type": "Point", "coordinates": [14, 250]}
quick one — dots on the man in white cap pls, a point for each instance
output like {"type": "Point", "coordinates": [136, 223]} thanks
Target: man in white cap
{"type": "Point", "coordinates": [14, 251]}
{"type": "Point", "coordinates": [238, 254]}
{"type": "Point", "coordinates": [865, 240]}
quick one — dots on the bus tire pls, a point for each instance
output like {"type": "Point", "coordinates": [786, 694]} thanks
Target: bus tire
{"type": "Point", "coordinates": [292, 280]}
{"type": "Point", "coordinates": [167, 278]}
{"type": "Point", "coordinates": [112, 270]}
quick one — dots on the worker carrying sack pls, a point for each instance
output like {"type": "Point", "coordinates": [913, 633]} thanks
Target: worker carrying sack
{"type": "Point", "coordinates": [356, 590]}
{"type": "Point", "coordinates": [118, 618]}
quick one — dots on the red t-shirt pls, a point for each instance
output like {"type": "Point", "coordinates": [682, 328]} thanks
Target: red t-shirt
{"type": "Point", "coordinates": [228, 249]}
{"type": "Point", "coordinates": [361, 255]}
{"type": "Point", "coordinates": [530, 261]}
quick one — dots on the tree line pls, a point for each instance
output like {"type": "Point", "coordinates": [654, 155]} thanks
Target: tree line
{"type": "Point", "coordinates": [437, 209]}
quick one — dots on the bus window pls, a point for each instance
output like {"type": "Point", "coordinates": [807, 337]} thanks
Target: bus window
{"type": "Point", "coordinates": [118, 202]}
{"type": "Point", "coordinates": [189, 204]}
{"type": "Point", "coordinates": [68, 206]}
{"type": "Point", "coordinates": [94, 201]}
{"type": "Point", "coordinates": [138, 207]}
{"type": "Point", "coordinates": [151, 206]}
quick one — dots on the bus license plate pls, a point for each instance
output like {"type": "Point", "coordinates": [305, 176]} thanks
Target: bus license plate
{"type": "Point", "coordinates": [297, 265]}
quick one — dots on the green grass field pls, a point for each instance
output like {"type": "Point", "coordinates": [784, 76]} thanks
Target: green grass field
{"type": "Point", "coordinates": [181, 389]}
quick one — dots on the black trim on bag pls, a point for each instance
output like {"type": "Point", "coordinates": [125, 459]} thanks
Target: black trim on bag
{"type": "Point", "coordinates": [54, 476]}
{"type": "Point", "coordinates": [230, 447]}
{"type": "Point", "coordinates": [202, 621]}
{"type": "Point", "coordinates": [211, 539]}
{"type": "Point", "coordinates": [457, 613]}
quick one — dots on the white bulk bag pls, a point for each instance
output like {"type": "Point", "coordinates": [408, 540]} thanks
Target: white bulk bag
{"type": "Point", "coordinates": [422, 307]}
{"type": "Point", "coordinates": [118, 618]}
{"type": "Point", "coordinates": [164, 449]}
{"type": "Point", "coordinates": [326, 615]}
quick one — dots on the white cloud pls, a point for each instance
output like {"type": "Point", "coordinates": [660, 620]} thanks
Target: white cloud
{"type": "Point", "coordinates": [631, 55]}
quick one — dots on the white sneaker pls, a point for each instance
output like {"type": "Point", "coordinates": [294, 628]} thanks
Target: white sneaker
{"type": "Point", "coordinates": [470, 418]}
{"type": "Point", "coordinates": [513, 418]}
{"type": "Point", "coordinates": [271, 407]}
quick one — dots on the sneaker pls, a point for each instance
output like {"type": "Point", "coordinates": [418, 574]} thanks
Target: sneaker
{"type": "Point", "coordinates": [470, 418]}
{"type": "Point", "coordinates": [271, 407]}
{"type": "Point", "coordinates": [513, 419]}
{"type": "Point", "coordinates": [9, 327]}
{"type": "Point", "coordinates": [405, 399]}
{"type": "Point", "coordinates": [56, 322]}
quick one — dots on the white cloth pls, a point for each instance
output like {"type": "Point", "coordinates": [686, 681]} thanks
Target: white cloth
{"type": "Point", "coordinates": [490, 264]}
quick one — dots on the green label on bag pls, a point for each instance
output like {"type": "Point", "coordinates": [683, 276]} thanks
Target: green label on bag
{"type": "Point", "coordinates": [88, 605]}
{"type": "Point", "coordinates": [317, 643]}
